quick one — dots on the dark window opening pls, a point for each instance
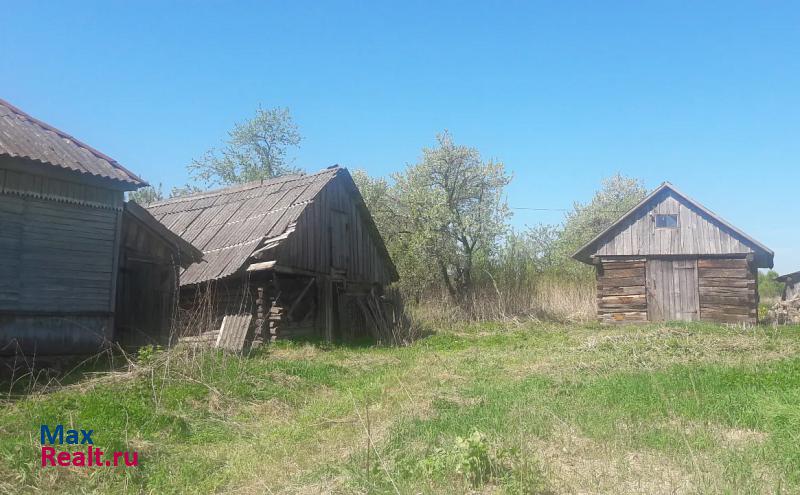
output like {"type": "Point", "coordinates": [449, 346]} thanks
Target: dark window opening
{"type": "Point", "coordinates": [666, 221]}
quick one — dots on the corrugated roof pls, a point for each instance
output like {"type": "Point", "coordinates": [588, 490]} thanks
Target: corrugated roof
{"type": "Point", "coordinates": [26, 137]}
{"type": "Point", "coordinates": [229, 224]}
{"type": "Point", "coordinates": [789, 277]}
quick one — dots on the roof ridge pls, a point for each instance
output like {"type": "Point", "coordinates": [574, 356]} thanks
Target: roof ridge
{"type": "Point", "coordinates": [44, 125]}
{"type": "Point", "coordinates": [241, 187]}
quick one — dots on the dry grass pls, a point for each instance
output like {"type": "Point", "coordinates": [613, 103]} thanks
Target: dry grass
{"type": "Point", "coordinates": [540, 299]}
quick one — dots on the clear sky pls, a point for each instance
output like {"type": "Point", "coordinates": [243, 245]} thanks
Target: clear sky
{"type": "Point", "coordinates": [703, 94]}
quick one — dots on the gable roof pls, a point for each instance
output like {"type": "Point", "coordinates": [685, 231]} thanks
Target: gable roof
{"type": "Point", "coordinates": [26, 137]}
{"type": "Point", "coordinates": [789, 277]}
{"type": "Point", "coordinates": [229, 224]}
{"type": "Point", "coordinates": [188, 253]}
{"type": "Point", "coordinates": [584, 254]}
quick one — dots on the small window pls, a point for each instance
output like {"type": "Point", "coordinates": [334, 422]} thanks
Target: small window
{"type": "Point", "coordinates": [666, 221]}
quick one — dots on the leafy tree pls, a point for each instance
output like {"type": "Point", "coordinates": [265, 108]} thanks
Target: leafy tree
{"type": "Point", "coordinates": [617, 195]}
{"type": "Point", "coordinates": [255, 149]}
{"type": "Point", "coordinates": [521, 256]}
{"type": "Point", "coordinates": [768, 287]}
{"type": "Point", "coordinates": [146, 195]}
{"type": "Point", "coordinates": [185, 190]}
{"type": "Point", "coordinates": [452, 210]}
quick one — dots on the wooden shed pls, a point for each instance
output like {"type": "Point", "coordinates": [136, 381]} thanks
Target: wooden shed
{"type": "Point", "coordinates": [791, 288]}
{"type": "Point", "coordinates": [299, 253]}
{"type": "Point", "coordinates": [61, 208]}
{"type": "Point", "coordinates": [150, 260]}
{"type": "Point", "coordinates": [670, 258]}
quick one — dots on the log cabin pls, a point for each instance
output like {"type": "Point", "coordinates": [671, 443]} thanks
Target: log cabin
{"type": "Point", "coordinates": [62, 220]}
{"type": "Point", "coordinates": [300, 253]}
{"type": "Point", "coordinates": [670, 258]}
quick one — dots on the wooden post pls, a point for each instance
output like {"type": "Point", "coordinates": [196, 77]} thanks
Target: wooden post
{"type": "Point", "coordinates": [110, 333]}
{"type": "Point", "coordinates": [261, 316]}
{"type": "Point", "coordinates": [327, 303]}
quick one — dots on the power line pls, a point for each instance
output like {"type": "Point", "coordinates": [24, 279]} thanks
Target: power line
{"type": "Point", "coordinates": [609, 210]}
{"type": "Point", "coordinates": [538, 209]}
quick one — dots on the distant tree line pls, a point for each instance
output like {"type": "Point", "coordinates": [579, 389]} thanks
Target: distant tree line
{"type": "Point", "coordinates": [444, 219]}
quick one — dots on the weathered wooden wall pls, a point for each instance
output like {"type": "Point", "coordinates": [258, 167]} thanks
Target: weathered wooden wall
{"type": "Point", "coordinates": [58, 261]}
{"type": "Point", "coordinates": [334, 233]}
{"type": "Point", "coordinates": [621, 296]}
{"type": "Point", "coordinates": [722, 290]}
{"type": "Point", "coordinates": [672, 292]}
{"type": "Point", "coordinates": [728, 290]}
{"type": "Point", "coordinates": [695, 234]}
{"type": "Point", "coordinates": [147, 286]}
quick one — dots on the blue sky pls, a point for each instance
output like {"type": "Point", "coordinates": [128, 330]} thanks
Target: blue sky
{"type": "Point", "coordinates": [703, 94]}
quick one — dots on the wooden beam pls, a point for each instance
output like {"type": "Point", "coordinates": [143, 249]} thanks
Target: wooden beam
{"type": "Point", "coordinates": [328, 308]}
{"type": "Point", "coordinates": [299, 298]}
{"type": "Point", "coordinates": [257, 267]}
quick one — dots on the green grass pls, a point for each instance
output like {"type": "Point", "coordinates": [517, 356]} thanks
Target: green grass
{"type": "Point", "coordinates": [533, 408]}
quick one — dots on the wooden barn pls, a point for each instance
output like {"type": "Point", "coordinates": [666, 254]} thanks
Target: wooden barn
{"type": "Point", "coordinates": [670, 258]}
{"type": "Point", "coordinates": [791, 288]}
{"type": "Point", "coordinates": [62, 217]}
{"type": "Point", "coordinates": [299, 253]}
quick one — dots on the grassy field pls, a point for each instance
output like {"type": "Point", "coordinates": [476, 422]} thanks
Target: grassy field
{"type": "Point", "coordinates": [527, 408]}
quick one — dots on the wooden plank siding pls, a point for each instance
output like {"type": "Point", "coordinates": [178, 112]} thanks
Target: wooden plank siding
{"type": "Point", "coordinates": [695, 234]}
{"type": "Point", "coordinates": [672, 290]}
{"type": "Point", "coordinates": [332, 233]}
{"type": "Point", "coordinates": [58, 244]}
{"type": "Point", "coordinates": [57, 256]}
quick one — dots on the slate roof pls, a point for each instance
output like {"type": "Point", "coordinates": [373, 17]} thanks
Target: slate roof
{"type": "Point", "coordinates": [789, 277]}
{"type": "Point", "coordinates": [229, 224]}
{"type": "Point", "coordinates": [26, 137]}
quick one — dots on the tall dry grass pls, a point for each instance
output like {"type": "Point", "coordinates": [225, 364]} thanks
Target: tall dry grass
{"type": "Point", "coordinates": [548, 298]}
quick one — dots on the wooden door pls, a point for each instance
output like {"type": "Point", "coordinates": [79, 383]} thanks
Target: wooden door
{"type": "Point", "coordinates": [672, 292]}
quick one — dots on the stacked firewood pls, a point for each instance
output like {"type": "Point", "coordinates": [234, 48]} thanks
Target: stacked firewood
{"type": "Point", "coordinates": [277, 316]}
{"type": "Point", "coordinates": [785, 312]}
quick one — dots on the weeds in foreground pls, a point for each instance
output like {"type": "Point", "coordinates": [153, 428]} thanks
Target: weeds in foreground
{"type": "Point", "coordinates": [532, 408]}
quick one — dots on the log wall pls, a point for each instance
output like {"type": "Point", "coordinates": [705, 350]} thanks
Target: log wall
{"type": "Point", "coordinates": [621, 294]}
{"type": "Point", "coordinates": [728, 290]}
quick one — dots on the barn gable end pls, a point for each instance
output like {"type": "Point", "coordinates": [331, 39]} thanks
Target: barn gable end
{"type": "Point", "coordinates": [699, 232]}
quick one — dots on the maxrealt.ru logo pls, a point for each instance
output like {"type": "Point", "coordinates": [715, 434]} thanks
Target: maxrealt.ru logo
{"type": "Point", "coordinates": [91, 457]}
